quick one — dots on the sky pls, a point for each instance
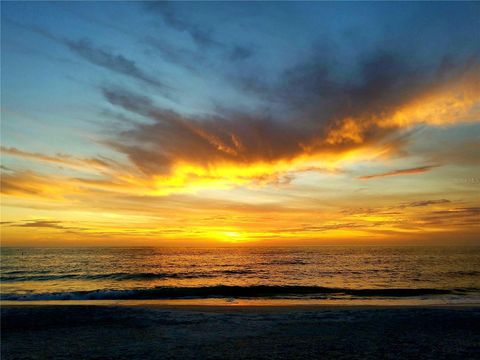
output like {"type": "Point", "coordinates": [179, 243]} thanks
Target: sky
{"type": "Point", "coordinates": [231, 123]}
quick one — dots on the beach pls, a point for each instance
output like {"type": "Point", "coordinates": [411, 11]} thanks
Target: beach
{"type": "Point", "coordinates": [240, 303]}
{"type": "Point", "coordinates": [236, 331]}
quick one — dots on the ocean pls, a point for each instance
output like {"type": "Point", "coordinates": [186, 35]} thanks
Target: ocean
{"type": "Point", "coordinates": [323, 273]}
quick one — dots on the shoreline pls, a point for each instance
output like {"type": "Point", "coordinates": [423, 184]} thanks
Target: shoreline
{"type": "Point", "coordinates": [217, 304]}
{"type": "Point", "coordinates": [187, 331]}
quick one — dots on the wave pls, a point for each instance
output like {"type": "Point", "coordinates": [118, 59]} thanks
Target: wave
{"type": "Point", "coordinates": [20, 276]}
{"type": "Point", "coordinates": [287, 262]}
{"type": "Point", "coordinates": [224, 291]}
{"type": "Point", "coordinates": [464, 273]}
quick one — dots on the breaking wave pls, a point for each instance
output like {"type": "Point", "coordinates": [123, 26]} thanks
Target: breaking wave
{"type": "Point", "coordinates": [224, 291]}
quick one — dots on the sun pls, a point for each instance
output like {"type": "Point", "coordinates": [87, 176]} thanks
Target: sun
{"type": "Point", "coordinates": [233, 236]}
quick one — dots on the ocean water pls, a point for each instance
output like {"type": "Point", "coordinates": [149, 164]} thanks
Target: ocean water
{"type": "Point", "coordinates": [446, 274]}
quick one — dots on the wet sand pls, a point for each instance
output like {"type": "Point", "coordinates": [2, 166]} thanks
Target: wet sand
{"type": "Point", "coordinates": [169, 331]}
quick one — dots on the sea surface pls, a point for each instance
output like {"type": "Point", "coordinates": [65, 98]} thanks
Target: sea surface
{"type": "Point", "coordinates": [442, 274]}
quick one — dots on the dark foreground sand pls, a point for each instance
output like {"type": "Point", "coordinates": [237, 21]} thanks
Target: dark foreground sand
{"type": "Point", "coordinates": [185, 332]}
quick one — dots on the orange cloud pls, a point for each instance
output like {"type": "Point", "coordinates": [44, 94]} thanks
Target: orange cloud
{"type": "Point", "coordinates": [416, 170]}
{"type": "Point", "coordinates": [85, 164]}
{"type": "Point", "coordinates": [177, 153]}
{"type": "Point", "coordinates": [453, 101]}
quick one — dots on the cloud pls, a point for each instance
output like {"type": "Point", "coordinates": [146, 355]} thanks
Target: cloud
{"type": "Point", "coordinates": [25, 183]}
{"type": "Point", "coordinates": [42, 224]}
{"type": "Point", "coordinates": [32, 184]}
{"type": "Point", "coordinates": [328, 121]}
{"type": "Point", "coordinates": [415, 170]}
{"type": "Point", "coordinates": [240, 53]}
{"type": "Point", "coordinates": [102, 164]}
{"type": "Point", "coordinates": [201, 37]}
{"type": "Point", "coordinates": [457, 145]}
{"type": "Point", "coordinates": [326, 227]}
{"type": "Point", "coordinates": [113, 62]}
{"type": "Point", "coordinates": [185, 153]}
{"type": "Point", "coordinates": [250, 146]}
{"type": "Point", "coordinates": [393, 210]}
{"type": "Point", "coordinates": [386, 90]}
{"type": "Point", "coordinates": [191, 60]}
{"type": "Point", "coordinates": [171, 137]}
{"type": "Point", "coordinates": [49, 224]}
{"type": "Point", "coordinates": [171, 18]}
{"type": "Point", "coordinates": [426, 203]}
{"type": "Point", "coordinates": [234, 138]}
{"type": "Point", "coordinates": [170, 52]}
{"type": "Point", "coordinates": [413, 217]}
{"type": "Point", "coordinates": [318, 118]}
{"type": "Point", "coordinates": [464, 216]}
{"type": "Point", "coordinates": [102, 57]}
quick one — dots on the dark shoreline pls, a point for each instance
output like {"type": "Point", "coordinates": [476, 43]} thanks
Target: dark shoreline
{"type": "Point", "coordinates": [239, 332]}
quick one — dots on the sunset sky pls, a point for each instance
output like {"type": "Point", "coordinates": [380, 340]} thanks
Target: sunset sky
{"type": "Point", "coordinates": [240, 123]}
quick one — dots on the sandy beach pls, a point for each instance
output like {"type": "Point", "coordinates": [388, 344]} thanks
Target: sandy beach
{"type": "Point", "coordinates": [186, 331]}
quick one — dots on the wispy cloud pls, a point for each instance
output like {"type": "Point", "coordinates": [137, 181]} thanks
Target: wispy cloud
{"type": "Point", "coordinates": [167, 12]}
{"type": "Point", "coordinates": [426, 203]}
{"type": "Point", "coordinates": [409, 171]}
{"type": "Point", "coordinates": [102, 57]}
{"type": "Point", "coordinates": [100, 163]}
{"type": "Point", "coordinates": [42, 224]}
{"type": "Point", "coordinates": [204, 39]}
{"type": "Point", "coordinates": [114, 62]}
{"type": "Point", "coordinates": [56, 225]}
{"type": "Point", "coordinates": [464, 216]}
